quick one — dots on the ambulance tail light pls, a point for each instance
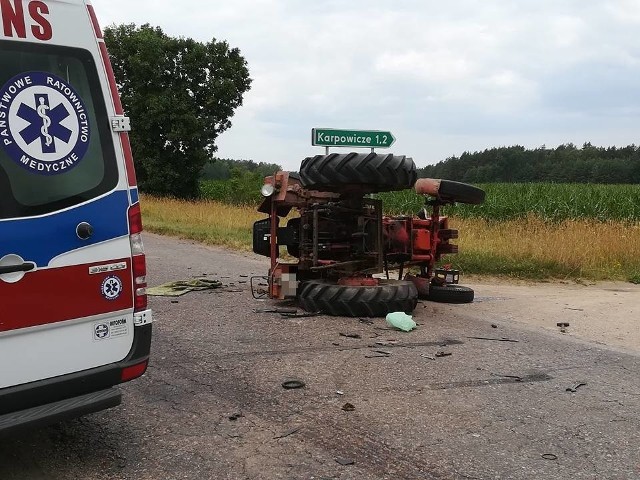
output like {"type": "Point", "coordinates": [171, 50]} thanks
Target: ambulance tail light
{"type": "Point", "coordinates": [139, 264]}
{"type": "Point", "coordinates": [134, 371]}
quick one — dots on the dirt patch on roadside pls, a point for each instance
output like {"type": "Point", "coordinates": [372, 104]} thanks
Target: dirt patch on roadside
{"type": "Point", "coordinates": [604, 312]}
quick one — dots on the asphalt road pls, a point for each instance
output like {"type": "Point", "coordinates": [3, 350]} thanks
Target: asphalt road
{"type": "Point", "coordinates": [211, 405]}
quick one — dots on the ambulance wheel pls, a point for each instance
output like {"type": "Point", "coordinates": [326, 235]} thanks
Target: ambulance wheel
{"type": "Point", "coordinates": [358, 301]}
{"type": "Point", "coordinates": [450, 294]}
{"type": "Point", "coordinates": [368, 172]}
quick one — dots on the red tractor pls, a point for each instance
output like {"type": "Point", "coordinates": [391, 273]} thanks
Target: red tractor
{"type": "Point", "coordinates": [342, 241]}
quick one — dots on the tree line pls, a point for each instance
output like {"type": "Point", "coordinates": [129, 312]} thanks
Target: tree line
{"type": "Point", "coordinates": [227, 168]}
{"type": "Point", "coordinates": [563, 164]}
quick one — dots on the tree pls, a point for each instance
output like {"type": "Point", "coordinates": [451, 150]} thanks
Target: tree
{"type": "Point", "coordinates": [180, 95]}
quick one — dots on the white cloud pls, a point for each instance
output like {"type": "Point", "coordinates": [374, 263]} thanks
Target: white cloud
{"type": "Point", "coordinates": [445, 77]}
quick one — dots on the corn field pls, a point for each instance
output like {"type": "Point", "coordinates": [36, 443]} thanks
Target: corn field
{"type": "Point", "coordinates": [548, 201]}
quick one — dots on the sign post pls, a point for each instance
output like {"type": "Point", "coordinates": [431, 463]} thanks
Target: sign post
{"type": "Point", "coordinates": [331, 137]}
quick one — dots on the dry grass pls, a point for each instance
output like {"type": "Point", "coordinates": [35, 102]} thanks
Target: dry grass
{"type": "Point", "coordinates": [572, 248]}
{"type": "Point", "coordinates": [530, 248]}
{"type": "Point", "coordinates": [210, 222]}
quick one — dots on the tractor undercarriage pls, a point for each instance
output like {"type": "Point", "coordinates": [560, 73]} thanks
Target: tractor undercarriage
{"type": "Point", "coordinates": [342, 241]}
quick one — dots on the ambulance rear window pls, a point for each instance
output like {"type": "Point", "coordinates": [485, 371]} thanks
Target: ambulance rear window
{"type": "Point", "coordinates": [56, 147]}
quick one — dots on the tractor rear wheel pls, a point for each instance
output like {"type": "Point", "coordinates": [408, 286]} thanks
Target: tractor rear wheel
{"type": "Point", "coordinates": [450, 294]}
{"type": "Point", "coordinates": [358, 301]}
{"type": "Point", "coordinates": [369, 172]}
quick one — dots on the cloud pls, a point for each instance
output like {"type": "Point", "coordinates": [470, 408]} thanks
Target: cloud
{"type": "Point", "coordinates": [444, 77]}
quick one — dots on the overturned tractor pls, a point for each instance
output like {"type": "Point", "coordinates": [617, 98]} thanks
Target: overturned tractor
{"type": "Point", "coordinates": [342, 241]}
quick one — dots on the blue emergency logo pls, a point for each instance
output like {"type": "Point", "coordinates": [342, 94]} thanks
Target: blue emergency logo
{"type": "Point", "coordinates": [44, 125]}
{"type": "Point", "coordinates": [111, 287]}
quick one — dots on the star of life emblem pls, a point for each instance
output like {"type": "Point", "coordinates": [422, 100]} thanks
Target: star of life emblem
{"type": "Point", "coordinates": [111, 287]}
{"type": "Point", "coordinates": [44, 124]}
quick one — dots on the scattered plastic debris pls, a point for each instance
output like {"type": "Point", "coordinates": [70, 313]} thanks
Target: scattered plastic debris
{"type": "Point", "coordinates": [345, 461]}
{"type": "Point", "coordinates": [574, 388]}
{"type": "Point", "coordinates": [503, 339]}
{"type": "Point", "coordinates": [288, 432]}
{"type": "Point", "coordinates": [443, 354]}
{"type": "Point", "coordinates": [180, 287]}
{"type": "Point", "coordinates": [276, 310]}
{"type": "Point", "coordinates": [348, 407]}
{"type": "Point", "coordinates": [350, 335]}
{"type": "Point", "coordinates": [401, 321]}
{"type": "Point", "coordinates": [291, 384]}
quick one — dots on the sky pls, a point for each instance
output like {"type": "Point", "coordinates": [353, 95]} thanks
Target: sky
{"type": "Point", "coordinates": [444, 77]}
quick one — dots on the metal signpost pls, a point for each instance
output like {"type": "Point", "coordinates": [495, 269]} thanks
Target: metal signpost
{"type": "Point", "coordinates": [331, 137]}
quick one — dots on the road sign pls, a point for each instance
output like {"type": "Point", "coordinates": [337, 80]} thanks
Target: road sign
{"type": "Point", "coordinates": [330, 137]}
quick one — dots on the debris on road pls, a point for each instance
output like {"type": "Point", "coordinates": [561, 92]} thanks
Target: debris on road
{"type": "Point", "coordinates": [493, 325]}
{"type": "Point", "coordinates": [348, 407]}
{"type": "Point", "coordinates": [291, 431]}
{"type": "Point", "coordinates": [180, 287]}
{"type": "Point", "coordinates": [517, 378]}
{"type": "Point", "coordinates": [574, 388]}
{"type": "Point", "coordinates": [339, 392]}
{"type": "Point", "coordinates": [235, 416]}
{"type": "Point", "coordinates": [401, 321]}
{"type": "Point", "coordinates": [563, 326]}
{"type": "Point", "coordinates": [502, 339]}
{"type": "Point", "coordinates": [383, 352]}
{"type": "Point", "coordinates": [345, 461]}
{"type": "Point", "coordinates": [427, 357]}
{"type": "Point", "coordinates": [275, 310]}
{"type": "Point", "coordinates": [549, 456]}
{"type": "Point", "coordinates": [350, 335]}
{"type": "Point", "coordinates": [300, 315]}
{"type": "Point", "coordinates": [443, 354]}
{"type": "Point", "coordinates": [292, 384]}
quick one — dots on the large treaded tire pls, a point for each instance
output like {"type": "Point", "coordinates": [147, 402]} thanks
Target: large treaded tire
{"type": "Point", "coordinates": [461, 192]}
{"type": "Point", "coordinates": [370, 172]}
{"type": "Point", "coordinates": [358, 301]}
{"type": "Point", "coordinates": [450, 294]}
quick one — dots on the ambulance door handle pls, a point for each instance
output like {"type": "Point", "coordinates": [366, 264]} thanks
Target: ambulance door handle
{"type": "Point", "coordinates": [25, 267]}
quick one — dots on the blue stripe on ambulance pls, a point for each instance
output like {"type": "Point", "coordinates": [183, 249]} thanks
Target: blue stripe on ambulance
{"type": "Point", "coordinates": [134, 196]}
{"type": "Point", "coordinates": [23, 237]}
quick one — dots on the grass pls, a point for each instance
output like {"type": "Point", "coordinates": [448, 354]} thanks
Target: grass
{"type": "Point", "coordinates": [528, 246]}
{"type": "Point", "coordinates": [534, 248]}
{"type": "Point", "coordinates": [210, 222]}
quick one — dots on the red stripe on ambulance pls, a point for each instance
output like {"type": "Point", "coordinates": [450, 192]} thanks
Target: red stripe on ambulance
{"type": "Point", "coordinates": [56, 294]}
{"type": "Point", "coordinates": [94, 21]}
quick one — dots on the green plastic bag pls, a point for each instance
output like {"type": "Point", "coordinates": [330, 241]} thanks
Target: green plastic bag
{"type": "Point", "coordinates": [401, 321]}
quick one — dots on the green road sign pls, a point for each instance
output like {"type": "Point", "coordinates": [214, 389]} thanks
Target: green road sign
{"type": "Point", "coordinates": [330, 137]}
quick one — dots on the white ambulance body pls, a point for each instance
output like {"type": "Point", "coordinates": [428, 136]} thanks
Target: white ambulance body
{"type": "Point", "coordinates": [73, 308]}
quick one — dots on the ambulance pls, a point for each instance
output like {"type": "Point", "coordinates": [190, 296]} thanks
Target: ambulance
{"type": "Point", "coordinates": [74, 321]}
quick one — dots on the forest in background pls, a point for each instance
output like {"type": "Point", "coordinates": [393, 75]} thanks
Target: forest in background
{"type": "Point", "coordinates": [563, 164]}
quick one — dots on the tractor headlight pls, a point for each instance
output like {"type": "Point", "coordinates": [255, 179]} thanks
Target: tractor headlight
{"type": "Point", "coordinates": [267, 190]}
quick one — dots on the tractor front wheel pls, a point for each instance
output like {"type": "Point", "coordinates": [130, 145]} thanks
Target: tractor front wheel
{"type": "Point", "coordinates": [358, 301]}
